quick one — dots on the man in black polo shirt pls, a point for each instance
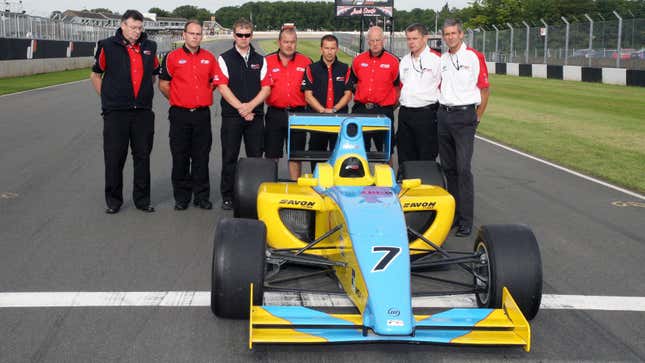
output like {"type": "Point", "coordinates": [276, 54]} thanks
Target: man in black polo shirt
{"type": "Point", "coordinates": [123, 75]}
{"type": "Point", "coordinates": [327, 88]}
{"type": "Point", "coordinates": [244, 87]}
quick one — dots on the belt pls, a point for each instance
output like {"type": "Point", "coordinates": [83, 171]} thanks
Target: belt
{"type": "Point", "coordinates": [432, 106]}
{"type": "Point", "coordinates": [458, 108]}
{"type": "Point", "coordinates": [370, 105]}
{"type": "Point", "coordinates": [191, 109]}
{"type": "Point", "coordinates": [290, 109]}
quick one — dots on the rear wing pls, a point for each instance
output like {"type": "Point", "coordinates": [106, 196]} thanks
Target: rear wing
{"type": "Point", "coordinates": [330, 123]}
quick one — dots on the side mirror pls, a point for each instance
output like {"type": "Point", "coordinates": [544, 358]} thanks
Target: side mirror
{"type": "Point", "coordinates": [410, 183]}
{"type": "Point", "coordinates": [307, 182]}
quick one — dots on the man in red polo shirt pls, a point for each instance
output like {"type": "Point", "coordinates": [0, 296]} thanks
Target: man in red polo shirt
{"type": "Point", "coordinates": [123, 75]}
{"type": "Point", "coordinates": [286, 69]}
{"type": "Point", "coordinates": [186, 79]}
{"type": "Point", "coordinates": [375, 74]}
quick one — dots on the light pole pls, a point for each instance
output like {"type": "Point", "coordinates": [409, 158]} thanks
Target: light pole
{"type": "Point", "coordinates": [566, 40]}
{"type": "Point", "coordinates": [546, 38]}
{"type": "Point", "coordinates": [496, 43]}
{"type": "Point", "coordinates": [526, 54]}
{"type": "Point", "coordinates": [620, 34]}
{"type": "Point", "coordinates": [590, 37]}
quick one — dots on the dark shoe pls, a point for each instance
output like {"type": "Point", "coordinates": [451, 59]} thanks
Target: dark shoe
{"type": "Point", "coordinates": [181, 205]}
{"type": "Point", "coordinates": [204, 204]}
{"type": "Point", "coordinates": [227, 204]}
{"type": "Point", "coordinates": [109, 210]}
{"type": "Point", "coordinates": [147, 209]}
{"type": "Point", "coordinates": [464, 231]}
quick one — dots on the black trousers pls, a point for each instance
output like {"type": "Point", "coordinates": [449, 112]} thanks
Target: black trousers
{"type": "Point", "coordinates": [190, 144]}
{"type": "Point", "coordinates": [456, 142]}
{"type": "Point", "coordinates": [378, 137]}
{"type": "Point", "coordinates": [276, 130]}
{"type": "Point", "coordinates": [417, 137]}
{"type": "Point", "coordinates": [135, 128]}
{"type": "Point", "coordinates": [321, 141]}
{"type": "Point", "coordinates": [232, 131]}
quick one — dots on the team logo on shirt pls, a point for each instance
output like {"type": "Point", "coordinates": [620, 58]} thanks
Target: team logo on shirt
{"type": "Point", "coordinates": [182, 61]}
{"type": "Point", "coordinates": [254, 66]}
{"type": "Point", "coordinates": [275, 70]}
{"type": "Point", "coordinates": [340, 79]}
{"type": "Point", "coordinates": [385, 66]}
{"type": "Point", "coordinates": [215, 78]}
{"type": "Point", "coordinates": [300, 69]}
{"type": "Point", "coordinates": [147, 52]}
{"type": "Point", "coordinates": [364, 65]}
{"type": "Point", "coordinates": [205, 61]}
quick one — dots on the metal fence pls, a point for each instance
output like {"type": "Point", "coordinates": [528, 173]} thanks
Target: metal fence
{"type": "Point", "coordinates": [616, 43]}
{"type": "Point", "coordinates": [24, 26]}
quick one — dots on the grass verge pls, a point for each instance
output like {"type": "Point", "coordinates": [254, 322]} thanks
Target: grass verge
{"type": "Point", "coordinates": [594, 128]}
{"type": "Point", "coordinates": [308, 47]}
{"type": "Point", "coordinates": [24, 83]}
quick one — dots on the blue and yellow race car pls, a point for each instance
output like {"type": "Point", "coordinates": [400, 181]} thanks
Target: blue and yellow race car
{"type": "Point", "coordinates": [353, 223]}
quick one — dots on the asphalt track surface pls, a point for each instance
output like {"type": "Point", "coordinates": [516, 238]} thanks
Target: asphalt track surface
{"type": "Point", "coordinates": [55, 236]}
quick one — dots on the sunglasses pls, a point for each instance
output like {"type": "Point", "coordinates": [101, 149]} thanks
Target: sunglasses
{"type": "Point", "coordinates": [243, 35]}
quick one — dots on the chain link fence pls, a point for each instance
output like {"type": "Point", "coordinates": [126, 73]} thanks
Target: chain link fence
{"type": "Point", "coordinates": [22, 26]}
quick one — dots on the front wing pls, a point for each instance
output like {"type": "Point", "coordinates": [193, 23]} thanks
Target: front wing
{"type": "Point", "coordinates": [298, 324]}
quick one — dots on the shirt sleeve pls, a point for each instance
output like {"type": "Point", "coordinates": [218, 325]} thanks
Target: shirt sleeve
{"type": "Point", "coordinates": [164, 72]}
{"type": "Point", "coordinates": [218, 76]}
{"type": "Point", "coordinates": [157, 67]}
{"type": "Point", "coordinates": [395, 71]}
{"type": "Point", "coordinates": [307, 80]}
{"type": "Point", "coordinates": [99, 59]}
{"type": "Point", "coordinates": [223, 69]}
{"type": "Point", "coordinates": [482, 79]}
{"type": "Point", "coordinates": [265, 79]}
{"type": "Point", "coordinates": [349, 83]}
{"type": "Point", "coordinates": [353, 79]}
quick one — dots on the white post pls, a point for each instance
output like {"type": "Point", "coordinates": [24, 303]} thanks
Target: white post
{"type": "Point", "coordinates": [620, 34]}
{"type": "Point", "coordinates": [510, 49]}
{"type": "Point", "coordinates": [590, 38]}
{"type": "Point", "coordinates": [526, 53]}
{"type": "Point", "coordinates": [546, 38]}
{"type": "Point", "coordinates": [496, 43]}
{"type": "Point", "coordinates": [566, 41]}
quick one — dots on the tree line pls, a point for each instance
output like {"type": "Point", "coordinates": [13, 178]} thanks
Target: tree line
{"type": "Point", "coordinates": [321, 15]}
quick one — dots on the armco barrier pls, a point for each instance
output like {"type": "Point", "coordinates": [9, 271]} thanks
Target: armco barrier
{"type": "Point", "coordinates": [617, 76]}
{"type": "Point", "coordinates": [21, 57]}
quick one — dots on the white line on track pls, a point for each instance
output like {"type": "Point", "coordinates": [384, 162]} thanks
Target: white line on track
{"type": "Point", "coordinates": [202, 299]}
{"type": "Point", "coordinates": [583, 176]}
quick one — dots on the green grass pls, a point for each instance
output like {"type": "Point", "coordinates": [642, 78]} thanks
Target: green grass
{"type": "Point", "coordinates": [594, 128]}
{"type": "Point", "coordinates": [17, 84]}
{"type": "Point", "coordinates": [308, 47]}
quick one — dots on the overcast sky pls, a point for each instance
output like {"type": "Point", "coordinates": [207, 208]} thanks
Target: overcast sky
{"type": "Point", "coordinates": [44, 8]}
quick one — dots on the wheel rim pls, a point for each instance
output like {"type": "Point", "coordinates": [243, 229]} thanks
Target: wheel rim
{"type": "Point", "coordinates": [482, 274]}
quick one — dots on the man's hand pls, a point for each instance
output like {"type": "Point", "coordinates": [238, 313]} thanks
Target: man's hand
{"type": "Point", "coordinates": [249, 117]}
{"type": "Point", "coordinates": [245, 109]}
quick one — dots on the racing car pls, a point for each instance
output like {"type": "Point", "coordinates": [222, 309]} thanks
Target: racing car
{"type": "Point", "coordinates": [353, 223]}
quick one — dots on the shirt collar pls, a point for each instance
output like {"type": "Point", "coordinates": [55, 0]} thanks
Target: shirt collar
{"type": "Point", "coordinates": [188, 50]}
{"type": "Point", "coordinates": [376, 56]}
{"type": "Point", "coordinates": [462, 47]}
{"type": "Point", "coordinates": [333, 64]}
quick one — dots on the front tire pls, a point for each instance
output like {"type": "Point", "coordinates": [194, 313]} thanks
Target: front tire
{"type": "Point", "coordinates": [510, 257]}
{"type": "Point", "coordinates": [238, 260]}
{"type": "Point", "coordinates": [249, 174]}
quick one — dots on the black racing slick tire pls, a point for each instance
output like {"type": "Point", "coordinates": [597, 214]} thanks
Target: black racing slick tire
{"type": "Point", "coordinates": [509, 257]}
{"type": "Point", "coordinates": [249, 174]}
{"type": "Point", "coordinates": [238, 260]}
{"type": "Point", "coordinates": [428, 171]}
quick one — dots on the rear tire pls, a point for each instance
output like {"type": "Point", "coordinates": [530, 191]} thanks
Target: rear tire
{"type": "Point", "coordinates": [249, 174]}
{"type": "Point", "coordinates": [510, 258]}
{"type": "Point", "coordinates": [428, 171]}
{"type": "Point", "coordinates": [238, 260]}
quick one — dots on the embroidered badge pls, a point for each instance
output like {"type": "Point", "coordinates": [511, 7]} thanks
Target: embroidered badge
{"type": "Point", "coordinates": [254, 66]}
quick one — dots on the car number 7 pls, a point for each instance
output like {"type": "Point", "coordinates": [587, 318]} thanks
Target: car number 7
{"type": "Point", "coordinates": [387, 258]}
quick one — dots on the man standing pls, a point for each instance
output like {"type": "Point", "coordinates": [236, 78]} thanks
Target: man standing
{"type": "Point", "coordinates": [376, 76]}
{"type": "Point", "coordinates": [328, 88]}
{"type": "Point", "coordinates": [420, 78]}
{"type": "Point", "coordinates": [123, 75]}
{"type": "Point", "coordinates": [286, 70]}
{"type": "Point", "coordinates": [463, 98]}
{"type": "Point", "coordinates": [244, 86]}
{"type": "Point", "coordinates": [186, 80]}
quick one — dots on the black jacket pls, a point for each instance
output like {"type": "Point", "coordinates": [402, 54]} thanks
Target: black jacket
{"type": "Point", "coordinates": [316, 78]}
{"type": "Point", "coordinates": [116, 90]}
{"type": "Point", "coordinates": [243, 79]}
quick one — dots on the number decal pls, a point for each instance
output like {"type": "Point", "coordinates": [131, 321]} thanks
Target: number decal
{"type": "Point", "coordinates": [388, 257]}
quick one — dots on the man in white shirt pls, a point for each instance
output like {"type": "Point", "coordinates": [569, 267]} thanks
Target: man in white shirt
{"type": "Point", "coordinates": [420, 76]}
{"type": "Point", "coordinates": [463, 99]}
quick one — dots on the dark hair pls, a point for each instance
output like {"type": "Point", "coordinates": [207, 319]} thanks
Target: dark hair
{"type": "Point", "coordinates": [242, 23]}
{"type": "Point", "coordinates": [192, 21]}
{"type": "Point", "coordinates": [286, 30]}
{"type": "Point", "coordinates": [417, 27]}
{"type": "Point", "coordinates": [328, 38]}
{"type": "Point", "coordinates": [131, 14]}
{"type": "Point", "coordinates": [453, 22]}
